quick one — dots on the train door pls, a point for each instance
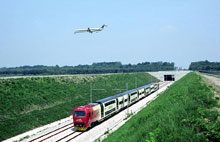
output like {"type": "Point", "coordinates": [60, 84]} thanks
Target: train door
{"type": "Point", "coordinates": [145, 93]}
{"type": "Point", "coordinates": [102, 110]}
{"type": "Point", "coordinates": [123, 102]}
{"type": "Point", "coordinates": [117, 103]}
{"type": "Point", "coordinates": [129, 98]}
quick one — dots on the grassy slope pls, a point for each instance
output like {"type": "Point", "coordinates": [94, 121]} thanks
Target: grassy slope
{"type": "Point", "coordinates": [28, 103]}
{"type": "Point", "coordinates": [182, 113]}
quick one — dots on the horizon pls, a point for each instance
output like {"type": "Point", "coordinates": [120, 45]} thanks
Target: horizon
{"type": "Point", "coordinates": [42, 32]}
{"type": "Point", "coordinates": [85, 64]}
{"type": "Point", "coordinates": [102, 62]}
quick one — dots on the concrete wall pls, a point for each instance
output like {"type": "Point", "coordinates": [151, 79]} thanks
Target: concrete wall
{"type": "Point", "coordinates": [160, 74]}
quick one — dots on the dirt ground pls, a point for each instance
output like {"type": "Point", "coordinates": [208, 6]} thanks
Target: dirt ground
{"type": "Point", "coordinates": [214, 82]}
{"type": "Point", "coordinates": [211, 80]}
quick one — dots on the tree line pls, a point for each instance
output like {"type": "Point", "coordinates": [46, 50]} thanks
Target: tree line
{"type": "Point", "coordinates": [205, 66]}
{"type": "Point", "coordinates": [95, 68]}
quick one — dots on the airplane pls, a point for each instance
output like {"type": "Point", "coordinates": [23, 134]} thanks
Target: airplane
{"type": "Point", "coordinates": [90, 30]}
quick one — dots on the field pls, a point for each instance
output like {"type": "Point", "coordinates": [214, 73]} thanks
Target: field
{"type": "Point", "coordinates": [27, 103]}
{"type": "Point", "coordinates": [187, 111]}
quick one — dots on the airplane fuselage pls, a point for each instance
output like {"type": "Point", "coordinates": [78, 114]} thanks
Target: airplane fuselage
{"type": "Point", "coordinates": [91, 30]}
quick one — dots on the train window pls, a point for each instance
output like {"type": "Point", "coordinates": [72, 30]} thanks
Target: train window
{"type": "Point", "coordinates": [110, 111]}
{"type": "Point", "coordinates": [120, 102]}
{"type": "Point", "coordinates": [133, 93]}
{"type": "Point", "coordinates": [79, 114]}
{"type": "Point", "coordinates": [126, 100]}
{"type": "Point", "coordinates": [89, 114]}
{"type": "Point", "coordinates": [109, 103]}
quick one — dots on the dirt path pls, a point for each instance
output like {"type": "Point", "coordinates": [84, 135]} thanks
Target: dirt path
{"type": "Point", "coordinates": [211, 80]}
{"type": "Point", "coordinates": [214, 82]}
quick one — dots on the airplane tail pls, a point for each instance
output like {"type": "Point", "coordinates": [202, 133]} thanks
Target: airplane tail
{"type": "Point", "coordinates": [103, 26]}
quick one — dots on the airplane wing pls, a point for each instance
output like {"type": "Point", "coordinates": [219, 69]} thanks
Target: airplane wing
{"type": "Point", "coordinates": [81, 31]}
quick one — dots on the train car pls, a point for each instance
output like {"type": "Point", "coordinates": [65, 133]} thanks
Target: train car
{"type": "Point", "coordinates": [151, 88]}
{"type": "Point", "coordinates": [133, 96]}
{"type": "Point", "coordinates": [89, 115]}
{"type": "Point", "coordinates": [122, 100]}
{"type": "Point", "coordinates": [86, 116]}
{"type": "Point", "coordinates": [154, 87]}
{"type": "Point", "coordinates": [147, 90]}
{"type": "Point", "coordinates": [141, 92]}
{"type": "Point", "coordinates": [108, 106]}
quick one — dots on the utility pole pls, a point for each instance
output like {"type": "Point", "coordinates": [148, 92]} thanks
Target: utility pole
{"type": "Point", "coordinates": [91, 89]}
{"type": "Point", "coordinates": [90, 92]}
{"type": "Point", "coordinates": [135, 82]}
{"type": "Point", "coordinates": [127, 99]}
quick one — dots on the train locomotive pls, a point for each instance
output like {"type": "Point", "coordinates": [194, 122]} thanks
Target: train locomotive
{"type": "Point", "coordinates": [93, 113]}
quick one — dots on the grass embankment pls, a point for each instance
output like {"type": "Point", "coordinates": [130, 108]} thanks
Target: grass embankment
{"type": "Point", "coordinates": [27, 103]}
{"type": "Point", "coordinates": [182, 113]}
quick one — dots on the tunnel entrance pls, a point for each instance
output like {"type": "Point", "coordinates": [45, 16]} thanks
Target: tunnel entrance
{"type": "Point", "coordinates": [169, 78]}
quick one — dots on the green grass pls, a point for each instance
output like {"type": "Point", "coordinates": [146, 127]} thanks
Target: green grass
{"type": "Point", "coordinates": [27, 103]}
{"type": "Point", "coordinates": [182, 113]}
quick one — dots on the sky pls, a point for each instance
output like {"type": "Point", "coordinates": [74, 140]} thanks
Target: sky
{"type": "Point", "coordinates": [41, 32]}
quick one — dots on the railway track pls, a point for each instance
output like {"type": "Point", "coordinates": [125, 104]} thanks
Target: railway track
{"type": "Point", "coordinates": [63, 133]}
{"type": "Point", "coordinates": [66, 133]}
{"type": "Point", "coordinates": [74, 137]}
{"type": "Point", "coordinates": [163, 84]}
{"type": "Point", "coordinates": [35, 139]}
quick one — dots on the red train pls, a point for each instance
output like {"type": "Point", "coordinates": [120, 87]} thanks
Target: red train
{"type": "Point", "coordinates": [93, 113]}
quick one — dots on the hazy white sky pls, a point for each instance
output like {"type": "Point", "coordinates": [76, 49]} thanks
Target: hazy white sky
{"type": "Point", "coordinates": [41, 32]}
